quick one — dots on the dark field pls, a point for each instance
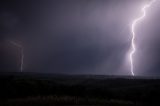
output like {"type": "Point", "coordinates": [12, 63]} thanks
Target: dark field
{"type": "Point", "coordinates": [29, 89]}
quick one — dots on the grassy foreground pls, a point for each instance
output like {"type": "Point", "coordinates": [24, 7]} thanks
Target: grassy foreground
{"type": "Point", "coordinates": [64, 100]}
{"type": "Point", "coordinates": [41, 90]}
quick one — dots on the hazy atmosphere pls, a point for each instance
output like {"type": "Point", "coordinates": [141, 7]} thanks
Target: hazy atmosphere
{"type": "Point", "coordinates": [79, 36]}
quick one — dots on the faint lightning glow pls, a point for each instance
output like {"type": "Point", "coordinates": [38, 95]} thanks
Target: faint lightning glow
{"type": "Point", "coordinates": [134, 23]}
{"type": "Point", "coordinates": [22, 54]}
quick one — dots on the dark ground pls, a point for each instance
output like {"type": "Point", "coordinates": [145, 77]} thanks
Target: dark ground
{"type": "Point", "coordinates": [30, 89]}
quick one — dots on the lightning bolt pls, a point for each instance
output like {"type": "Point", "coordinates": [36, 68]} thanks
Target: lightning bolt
{"type": "Point", "coordinates": [22, 53]}
{"type": "Point", "coordinates": [134, 23]}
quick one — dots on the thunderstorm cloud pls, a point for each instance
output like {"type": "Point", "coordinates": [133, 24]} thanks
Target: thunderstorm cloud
{"type": "Point", "coordinates": [80, 36]}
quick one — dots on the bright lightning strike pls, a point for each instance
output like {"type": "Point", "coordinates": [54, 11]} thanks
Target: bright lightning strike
{"type": "Point", "coordinates": [134, 23]}
{"type": "Point", "coordinates": [22, 54]}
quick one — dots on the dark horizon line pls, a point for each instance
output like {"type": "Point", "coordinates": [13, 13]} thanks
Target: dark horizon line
{"type": "Point", "coordinates": [84, 75]}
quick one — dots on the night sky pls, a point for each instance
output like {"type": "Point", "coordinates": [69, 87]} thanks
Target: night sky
{"type": "Point", "coordinates": [79, 36]}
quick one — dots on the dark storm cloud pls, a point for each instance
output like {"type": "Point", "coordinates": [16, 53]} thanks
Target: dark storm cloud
{"type": "Point", "coordinates": [74, 56]}
{"type": "Point", "coordinates": [71, 36]}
